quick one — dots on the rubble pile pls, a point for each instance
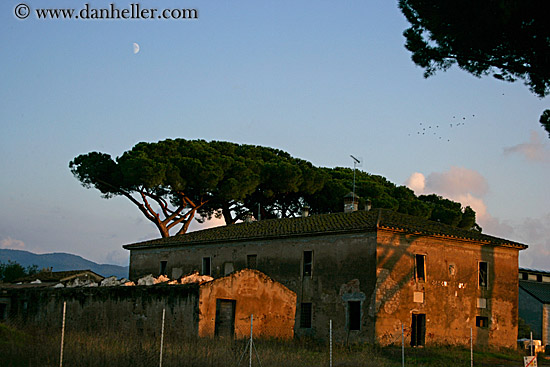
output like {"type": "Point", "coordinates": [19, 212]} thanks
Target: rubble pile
{"type": "Point", "coordinates": [113, 281]}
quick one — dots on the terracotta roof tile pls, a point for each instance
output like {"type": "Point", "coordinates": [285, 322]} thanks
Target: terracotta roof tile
{"type": "Point", "coordinates": [322, 224]}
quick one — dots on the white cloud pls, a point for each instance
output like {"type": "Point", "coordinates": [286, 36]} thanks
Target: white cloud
{"type": "Point", "coordinates": [457, 181]}
{"type": "Point", "coordinates": [10, 243]}
{"type": "Point", "coordinates": [460, 184]}
{"type": "Point", "coordinates": [535, 150]}
{"type": "Point", "coordinates": [468, 187]}
{"type": "Point", "coordinates": [416, 182]}
{"type": "Point", "coordinates": [477, 204]}
{"type": "Point", "coordinates": [535, 232]}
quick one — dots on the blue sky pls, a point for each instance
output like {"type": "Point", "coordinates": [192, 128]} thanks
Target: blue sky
{"type": "Point", "coordinates": [321, 80]}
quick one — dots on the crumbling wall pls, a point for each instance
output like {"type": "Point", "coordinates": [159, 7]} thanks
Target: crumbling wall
{"type": "Point", "coordinates": [108, 309]}
{"type": "Point", "coordinates": [337, 260]}
{"type": "Point", "coordinates": [450, 295]}
{"type": "Point", "coordinates": [272, 304]}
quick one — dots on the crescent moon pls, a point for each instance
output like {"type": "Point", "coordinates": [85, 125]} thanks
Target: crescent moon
{"type": "Point", "coordinates": [136, 48]}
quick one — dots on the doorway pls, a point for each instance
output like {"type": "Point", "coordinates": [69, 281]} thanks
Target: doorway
{"type": "Point", "coordinates": [418, 330]}
{"type": "Point", "coordinates": [225, 318]}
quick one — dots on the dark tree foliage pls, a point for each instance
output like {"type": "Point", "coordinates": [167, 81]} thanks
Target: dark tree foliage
{"type": "Point", "coordinates": [172, 181]}
{"type": "Point", "coordinates": [168, 181]}
{"type": "Point", "coordinates": [12, 271]}
{"type": "Point", "coordinates": [509, 39]}
{"type": "Point", "coordinates": [545, 121]}
{"type": "Point", "coordinates": [277, 185]}
{"type": "Point", "coordinates": [384, 194]}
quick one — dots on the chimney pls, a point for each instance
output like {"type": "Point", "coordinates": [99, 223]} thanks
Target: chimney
{"type": "Point", "coordinates": [305, 211]}
{"type": "Point", "coordinates": [351, 203]}
{"type": "Point", "coordinates": [368, 205]}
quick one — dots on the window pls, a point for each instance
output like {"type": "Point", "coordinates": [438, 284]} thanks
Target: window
{"type": "Point", "coordinates": [308, 263]}
{"type": "Point", "coordinates": [305, 315]}
{"type": "Point", "coordinates": [420, 268]}
{"type": "Point", "coordinates": [251, 261]}
{"type": "Point", "coordinates": [418, 330]}
{"type": "Point", "coordinates": [206, 268]}
{"type": "Point", "coordinates": [539, 277]}
{"type": "Point", "coordinates": [483, 273]}
{"type": "Point", "coordinates": [354, 315]}
{"type": "Point", "coordinates": [162, 270]}
{"type": "Point", "coordinates": [228, 268]}
{"type": "Point", "coordinates": [482, 322]}
{"type": "Point", "coordinates": [524, 276]}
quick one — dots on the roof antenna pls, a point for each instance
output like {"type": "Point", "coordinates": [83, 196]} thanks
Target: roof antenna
{"type": "Point", "coordinates": [355, 162]}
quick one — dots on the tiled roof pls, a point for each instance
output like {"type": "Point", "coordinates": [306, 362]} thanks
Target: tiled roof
{"type": "Point", "coordinates": [534, 271]}
{"type": "Point", "coordinates": [55, 276]}
{"type": "Point", "coordinates": [322, 224]}
{"type": "Point", "coordinates": [539, 290]}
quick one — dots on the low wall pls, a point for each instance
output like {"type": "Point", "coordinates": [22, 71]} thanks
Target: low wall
{"type": "Point", "coordinates": [106, 309]}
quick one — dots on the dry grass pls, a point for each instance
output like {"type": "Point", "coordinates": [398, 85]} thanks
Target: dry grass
{"type": "Point", "coordinates": [34, 347]}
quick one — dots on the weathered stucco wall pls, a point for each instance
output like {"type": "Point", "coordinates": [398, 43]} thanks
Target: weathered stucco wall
{"type": "Point", "coordinates": [344, 269]}
{"type": "Point", "coordinates": [272, 304]}
{"type": "Point", "coordinates": [115, 309]}
{"type": "Point", "coordinates": [450, 295]}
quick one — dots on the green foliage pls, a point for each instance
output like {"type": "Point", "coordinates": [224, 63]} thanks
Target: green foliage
{"type": "Point", "coordinates": [172, 180]}
{"type": "Point", "coordinates": [506, 38]}
{"type": "Point", "coordinates": [383, 194]}
{"type": "Point", "coordinates": [13, 270]}
{"type": "Point", "coordinates": [509, 39]}
{"type": "Point", "coordinates": [545, 121]}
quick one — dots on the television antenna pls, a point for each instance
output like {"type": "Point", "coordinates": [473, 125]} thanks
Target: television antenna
{"type": "Point", "coordinates": [356, 162]}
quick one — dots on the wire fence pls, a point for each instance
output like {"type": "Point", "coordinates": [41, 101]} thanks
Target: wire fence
{"type": "Point", "coordinates": [170, 346]}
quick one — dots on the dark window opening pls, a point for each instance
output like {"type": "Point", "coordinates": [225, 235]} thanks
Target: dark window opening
{"type": "Point", "coordinates": [482, 322]}
{"type": "Point", "coordinates": [539, 278]}
{"type": "Point", "coordinates": [163, 267]}
{"type": "Point", "coordinates": [483, 279]}
{"type": "Point", "coordinates": [308, 262]}
{"type": "Point", "coordinates": [354, 315]}
{"type": "Point", "coordinates": [524, 276]}
{"type": "Point", "coordinates": [251, 261]}
{"type": "Point", "coordinates": [418, 330]}
{"type": "Point", "coordinates": [420, 268]}
{"type": "Point", "coordinates": [305, 315]}
{"type": "Point", "coordinates": [3, 309]}
{"type": "Point", "coordinates": [206, 268]}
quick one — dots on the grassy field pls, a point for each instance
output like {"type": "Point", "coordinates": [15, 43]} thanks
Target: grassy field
{"type": "Point", "coordinates": [30, 348]}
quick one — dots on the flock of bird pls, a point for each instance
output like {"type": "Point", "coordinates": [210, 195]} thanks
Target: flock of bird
{"type": "Point", "coordinates": [439, 130]}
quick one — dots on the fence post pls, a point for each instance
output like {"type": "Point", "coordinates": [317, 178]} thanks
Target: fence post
{"type": "Point", "coordinates": [162, 336]}
{"type": "Point", "coordinates": [531, 344]}
{"type": "Point", "coordinates": [62, 334]}
{"type": "Point", "coordinates": [251, 325]}
{"type": "Point", "coordinates": [330, 343]}
{"type": "Point", "coordinates": [471, 348]}
{"type": "Point", "coordinates": [402, 346]}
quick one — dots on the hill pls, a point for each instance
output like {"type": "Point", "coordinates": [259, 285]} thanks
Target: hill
{"type": "Point", "coordinates": [61, 261]}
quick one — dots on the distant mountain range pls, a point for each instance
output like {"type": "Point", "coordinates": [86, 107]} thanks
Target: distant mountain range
{"type": "Point", "coordinates": [61, 261]}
